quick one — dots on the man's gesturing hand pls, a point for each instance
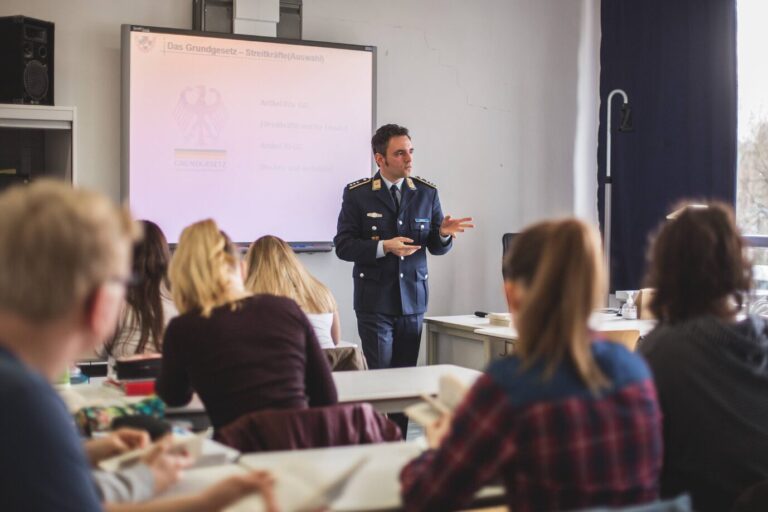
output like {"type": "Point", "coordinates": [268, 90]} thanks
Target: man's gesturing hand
{"type": "Point", "coordinates": [397, 246]}
{"type": "Point", "coordinates": [450, 226]}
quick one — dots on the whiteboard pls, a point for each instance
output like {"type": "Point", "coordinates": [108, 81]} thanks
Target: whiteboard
{"type": "Point", "coordinates": [259, 134]}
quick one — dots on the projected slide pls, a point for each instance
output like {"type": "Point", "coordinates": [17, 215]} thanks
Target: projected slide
{"type": "Point", "coordinates": [260, 136]}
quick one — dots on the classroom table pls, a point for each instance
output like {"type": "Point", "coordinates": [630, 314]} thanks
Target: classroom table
{"type": "Point", "coordinates": [601, 321]}
{"type": "Point", "coordinates": [482, 342]}
{"type": "Point", "coordinates": [462, 329]}
{"type": "Point", "coordinates": [393, 389]}
{"type": "Point", "coordinates": [305, 476]}
{"type": "Point", "coordinates": [388, 390]}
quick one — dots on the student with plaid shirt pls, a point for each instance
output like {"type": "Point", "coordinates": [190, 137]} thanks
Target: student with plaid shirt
{"type": "Point", "coordinates": [568, 422]}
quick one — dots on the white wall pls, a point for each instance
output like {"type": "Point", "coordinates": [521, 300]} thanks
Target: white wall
{"type": "Point", "coordinates": [492, 90]}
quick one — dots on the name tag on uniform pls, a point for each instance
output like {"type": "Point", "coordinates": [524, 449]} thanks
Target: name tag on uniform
{"type": "Point", "coordinates": [422, 220]}
{"type": "Point", "coordinates": [374, 215]}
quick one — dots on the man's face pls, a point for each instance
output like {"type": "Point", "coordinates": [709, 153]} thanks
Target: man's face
{"type": "Point", "coordinates": [396, 164]}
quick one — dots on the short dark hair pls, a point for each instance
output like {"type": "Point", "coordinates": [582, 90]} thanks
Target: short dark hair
{"type": "Point", "coordinates": [380, 139]}
{"type": "Point", "coordinates": [696, 263]}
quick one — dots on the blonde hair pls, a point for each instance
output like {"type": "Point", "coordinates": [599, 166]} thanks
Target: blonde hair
{"type": "Point", "coordinates": [201, 269]}
{"type": "Point", "coordinates": [57, 245]}
{"type": "Point", "coordinates": [560, 263]}
{"type": "Point", "coordinates": [274, 268]}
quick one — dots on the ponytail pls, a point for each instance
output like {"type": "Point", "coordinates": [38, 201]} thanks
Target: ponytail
{"type": "Point", "coordinates": [560, 264]}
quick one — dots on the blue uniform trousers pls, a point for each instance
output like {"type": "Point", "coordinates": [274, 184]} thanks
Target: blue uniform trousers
{"type": "Point", "coordinates": [390, 341]}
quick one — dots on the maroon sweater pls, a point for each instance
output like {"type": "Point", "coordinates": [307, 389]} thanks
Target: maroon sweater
{"type": "Point", "coordinates": [262, 355]}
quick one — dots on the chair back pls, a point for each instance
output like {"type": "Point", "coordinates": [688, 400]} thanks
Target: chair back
{"type": "Point", "coordinates": [343, 359]}
{"type": "Point", "coordinates": [754, 499]}
{"type": "Point", "coordinates": [506, 241]}
{"type": "Point", "coordinates": [316, 427]}
{"type": "Point", "coordinates": [627, 337]}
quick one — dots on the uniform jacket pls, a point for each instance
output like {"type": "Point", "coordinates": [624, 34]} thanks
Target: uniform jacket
{"type": "Point", "coordinates": [391, 285]}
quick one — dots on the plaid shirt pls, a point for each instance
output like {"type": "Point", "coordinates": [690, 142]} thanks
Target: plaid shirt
{"type": "Point", "coordinates": [555, 445]}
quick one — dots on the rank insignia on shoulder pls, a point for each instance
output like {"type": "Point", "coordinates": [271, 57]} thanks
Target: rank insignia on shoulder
{"type": "Point", "coordinates": [357, 183]}
{"type": "Point", "coordinates": [409, 181]}
{"type": "Point", "coordinates": [376, 184]}
{"type": "Point", "coordinates": [426, 182]}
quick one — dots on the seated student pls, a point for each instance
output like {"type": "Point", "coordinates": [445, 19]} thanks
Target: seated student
{"type": "Point", "coordinates": [711, 369]}
{"type": "Point", "coordinates": [239, 352]}
{"type": "Point", "coordinates": [275, 269]}
{"type": "Point", "coordinates": [568, 422]}
{"type": "Point", "coordinates": [148, 304]}
{"type": "Point", "coordinates": [64, 261]}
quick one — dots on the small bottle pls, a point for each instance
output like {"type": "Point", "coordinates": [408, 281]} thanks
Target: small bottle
{"type": "Point", "coordinates": [629, 311]}
{"type": "Point", "coordinates": [63, 380]}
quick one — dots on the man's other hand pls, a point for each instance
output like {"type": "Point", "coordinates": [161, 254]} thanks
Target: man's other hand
{"type": "Point", "coordinates": [398, 247]}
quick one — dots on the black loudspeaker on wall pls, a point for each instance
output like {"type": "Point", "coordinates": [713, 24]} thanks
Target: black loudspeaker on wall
{"type": "Point", "coordinates": [26, 60]}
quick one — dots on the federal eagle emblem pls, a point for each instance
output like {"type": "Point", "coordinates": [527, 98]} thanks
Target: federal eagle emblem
{"type": "Point", "coordinates": [145, 43]}
{"type": "Point", "coordinates": [200, 114]}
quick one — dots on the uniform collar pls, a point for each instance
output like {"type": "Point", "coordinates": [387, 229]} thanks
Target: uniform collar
{"type": "Point", "coordinates": [388, 184]}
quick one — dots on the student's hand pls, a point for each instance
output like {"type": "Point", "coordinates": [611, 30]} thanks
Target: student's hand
{"type": "Point", "coordinates": [398, 247]}
{"type": "Point", "coordinates": [115, 443]}
{"type": "Point", "coordinates": [234, 488]}
{"type": "Point", "coordinates": [450, 226]}
{"type": "Point", "coordinates": [437, 431]}
{"type": "Point", "coordinates": [166, 465]}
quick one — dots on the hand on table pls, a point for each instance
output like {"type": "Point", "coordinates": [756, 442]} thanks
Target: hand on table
{"type": "Point", "coordinates": [437, 431]}
{"type": "Point", "coordinates": [451, 226]}
{"type": "Point", "coordinates": [398, 247]}
{"type": "Point", "coordinates": [166, 465]}
{"type": "Point", "coordinates": [115, 443]}
{"type": "Point", "coordinates": [234, 488]}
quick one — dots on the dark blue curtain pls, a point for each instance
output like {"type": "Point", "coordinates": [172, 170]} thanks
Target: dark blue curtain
{"type": "Point", "coordinates": [676, 59]}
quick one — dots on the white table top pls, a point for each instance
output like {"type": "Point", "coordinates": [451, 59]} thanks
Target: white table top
{"type": "Point", "coordinates": [374, 486]}
{"type": "Point", "coordinates": [395, 383]}
{"type": "Point", "coordinates": [464, 322]}
{"type": "Point", "coordinates": [301, 476]}
{"type": "Point", "coordinates": [601, 322]}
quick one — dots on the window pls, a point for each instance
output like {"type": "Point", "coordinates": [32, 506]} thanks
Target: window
{"type": "Point", "coordinates": [752, 170]}
{"type": "Point", "coordinates": [752, 188]}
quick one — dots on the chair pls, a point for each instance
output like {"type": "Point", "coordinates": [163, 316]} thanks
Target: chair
{"type": "Point", "coordinates": [754, 499]}
{"type": "Point", "coordinates": [342, 359]}
{"type": "Point", "coordinates": [316, 427]}
{"type": "Point", "coordinates": [506, 240]}
{"type": "Point", "coordinates": [627, 337]}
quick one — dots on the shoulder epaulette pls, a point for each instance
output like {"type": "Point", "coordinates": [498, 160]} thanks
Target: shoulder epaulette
{"type": "Point", "coordinates": [426, 182]}
{"type": "Point", "coordinates": [359, 182]}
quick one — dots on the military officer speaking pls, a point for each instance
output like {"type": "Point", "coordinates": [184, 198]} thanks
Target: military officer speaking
{"type": "Point", "coordinates": [386, 225]}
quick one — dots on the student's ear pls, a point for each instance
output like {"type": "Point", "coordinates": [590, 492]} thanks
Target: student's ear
{"type": "Point", "coordinates": [102, 310]}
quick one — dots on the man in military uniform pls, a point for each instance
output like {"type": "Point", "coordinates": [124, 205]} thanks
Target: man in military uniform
{"type": "Point", "coordinates": [386, 225]}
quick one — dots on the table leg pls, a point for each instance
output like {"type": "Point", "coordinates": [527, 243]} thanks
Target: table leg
{"type": "Point", "coordinates": [431, 335]}
{"type": "Point", "coordinates": [487, 349]}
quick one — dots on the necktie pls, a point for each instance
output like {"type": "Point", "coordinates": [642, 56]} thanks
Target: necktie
{"type": "Point", "coordinates": [393, 189]}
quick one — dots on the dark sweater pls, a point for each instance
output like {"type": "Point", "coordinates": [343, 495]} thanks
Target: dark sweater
{"type": "Point", "coordinates": [42, 463]}
{"type": "Point", "coordinates": [712, 381]}
{"type": "Point", "coordinates": [261, 355]}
